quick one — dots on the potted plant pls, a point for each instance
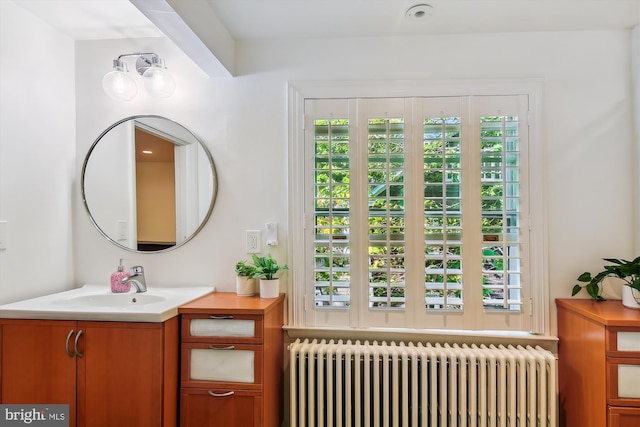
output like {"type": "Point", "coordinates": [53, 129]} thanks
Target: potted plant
{"type": "Point", "coordinates": [265, 269]}
{"type": "Point", "coordinates": [627, 271]}
{"type": "Point", "coordinates": [245, 282]}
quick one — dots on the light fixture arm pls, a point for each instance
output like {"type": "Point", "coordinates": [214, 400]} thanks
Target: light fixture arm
{"type": "Point", "coordinates": [144, 61]}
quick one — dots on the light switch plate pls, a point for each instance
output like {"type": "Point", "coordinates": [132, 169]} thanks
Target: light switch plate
{"type": "Point", "coordinates": [272, 233]}
{"type": "Point", "coordinates": [123, 230]}
{"type": "Point", "coordinates": [3, 235]}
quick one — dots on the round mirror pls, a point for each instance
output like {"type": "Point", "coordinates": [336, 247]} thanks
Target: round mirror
{"type": "Point", "coordinates": [149, 184]}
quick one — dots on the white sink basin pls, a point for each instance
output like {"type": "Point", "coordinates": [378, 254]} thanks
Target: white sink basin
{"type": "Point", "coordinates": [96, 302]}
{"type": "Point", "coordinates": [111, 300]}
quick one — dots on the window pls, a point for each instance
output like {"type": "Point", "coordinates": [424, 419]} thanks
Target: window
{"type": "Point", "coordinates": [416, 214]}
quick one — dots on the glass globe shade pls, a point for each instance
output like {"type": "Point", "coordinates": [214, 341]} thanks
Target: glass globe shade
{"type": "Point", "coordinates": [118, 85]}
{"type": "Point", "coordinates": [158, 82]}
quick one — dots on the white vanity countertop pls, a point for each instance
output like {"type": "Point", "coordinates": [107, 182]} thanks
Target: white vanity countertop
{"type": "Point", "coordinates": [97, 302]}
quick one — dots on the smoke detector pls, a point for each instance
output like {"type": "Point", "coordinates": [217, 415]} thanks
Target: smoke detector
{"type": "Point", "coordinates": [419, 12]}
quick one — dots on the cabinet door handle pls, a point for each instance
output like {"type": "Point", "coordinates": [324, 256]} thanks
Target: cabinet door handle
{"type": "Point", "coordinates": [75, 344]}
{"type": "Point", "coordinates": [229, 393]}
{"type": "Point", "coordinates": [220, 317]}
{"type": "Point", "coordinates": [66, 344]}
{"type": "Point", "coordinates": [213, 347]}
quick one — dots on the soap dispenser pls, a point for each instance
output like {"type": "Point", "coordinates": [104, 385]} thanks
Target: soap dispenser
{"type": "Point", "coordinates": [116, 280]}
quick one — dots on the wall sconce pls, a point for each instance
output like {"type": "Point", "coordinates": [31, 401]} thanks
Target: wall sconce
{"type": "Point", "coordinates": [155, 78]}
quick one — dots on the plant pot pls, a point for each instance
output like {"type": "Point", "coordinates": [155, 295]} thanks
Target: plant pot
{"type": "Point", "coordinates": [269, 288]}
{"type": "Point", "coordinates": [630, 297]}
{"type": "Point", "coordinates": [245, 286]}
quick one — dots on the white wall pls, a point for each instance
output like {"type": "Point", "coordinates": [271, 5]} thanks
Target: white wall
{"type": "Point", "coordinates": [587, 136]}
{"type": "Point", "coordinates": [37, 153]}
{"type": "Point", "coordinates": [587, 142]}
{"type": "Point", "coordinates": [635, 76]}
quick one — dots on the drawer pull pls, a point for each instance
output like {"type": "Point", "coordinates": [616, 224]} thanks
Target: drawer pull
{"type": "Point", "coordinates": [229, 393]}
{"type": "Point", "coordinates": [213, 347]}
{"type": "Point", "coordinates": [66, 344]}
{"type": "Point", "coordinates": [75, 344]}
{"type": "Point", "coordinates": [220, 317]}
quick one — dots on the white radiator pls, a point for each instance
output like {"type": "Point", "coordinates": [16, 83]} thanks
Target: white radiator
{"type": "Point", "coordinates": [345, 384]}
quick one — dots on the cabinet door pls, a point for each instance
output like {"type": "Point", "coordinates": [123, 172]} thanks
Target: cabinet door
{"type": "Point", "coordinates": [120, 375]}
{"type": "Point", "coordinates": [220, 407]}
{"type": "Point", "coordinates": [37, 363]}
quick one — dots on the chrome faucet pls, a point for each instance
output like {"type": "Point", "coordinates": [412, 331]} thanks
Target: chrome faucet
{"type": "Point", "coordinates": [137, 278]}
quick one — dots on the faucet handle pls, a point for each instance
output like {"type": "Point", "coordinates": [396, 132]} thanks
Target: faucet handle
{"type": "Point", "coordinates": [137, 269]}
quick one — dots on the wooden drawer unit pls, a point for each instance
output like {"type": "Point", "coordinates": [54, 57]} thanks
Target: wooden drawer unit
{"type": "Point", "coordinates": [232, 366]}
{"type": "Point", "coordinates": [598, 363]}
{"type": "Point", "coordinates": [623, 367]}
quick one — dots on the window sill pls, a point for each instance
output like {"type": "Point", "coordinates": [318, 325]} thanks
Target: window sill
{"type": "Point", "coordinates": [425, 335]}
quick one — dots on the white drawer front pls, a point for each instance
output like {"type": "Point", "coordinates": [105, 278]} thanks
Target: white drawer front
{"type": "Point", "coordinates": [628, 341]}
{"type": "Point", "coordinates": [628, 380]}
{"type": "Point", "coordinates": [222, 328]}
{"type": "Point", "coordinates": [222, 365]}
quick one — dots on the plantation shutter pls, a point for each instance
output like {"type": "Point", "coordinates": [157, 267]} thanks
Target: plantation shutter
{"type": "Point", "coordinates": [416, 212]}
{"type": "Point", "coordinates": [329, 127]}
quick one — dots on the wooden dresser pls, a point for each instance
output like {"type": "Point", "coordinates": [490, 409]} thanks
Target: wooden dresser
{"type": "Point", "coordinates": [232, 366]}
{"type": "Point", "coordinates": [598, 364]}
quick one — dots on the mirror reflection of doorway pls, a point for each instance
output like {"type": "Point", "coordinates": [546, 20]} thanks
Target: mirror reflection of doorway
{"type": "Point", "coordinates": [155, 191]}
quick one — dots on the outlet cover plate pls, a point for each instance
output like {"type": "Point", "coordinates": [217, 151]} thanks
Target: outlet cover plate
{"type": "Point", "coordinates": [253, 241]}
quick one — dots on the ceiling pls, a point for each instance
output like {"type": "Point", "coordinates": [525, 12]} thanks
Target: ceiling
{"type": "Point", "coordinates": [256, 19]}
{"type": "Point", "coordinates": [268, 19]}
{"type": "Point", "coordinates": [93, 19]}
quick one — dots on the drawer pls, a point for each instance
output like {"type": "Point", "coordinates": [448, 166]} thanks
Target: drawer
{"type": "Point", "coordinates": [623, 342]}
{"type": "Point", "coordinates": [623, 377]}
{"type": "Point", "coordinates": [220, 407]}
{"type": "Point", "coordinates": [222, 365]}
{"type": "Point", "coordinates": [236, 328]}
{"type": "Point", "coordinates": [624, 417]}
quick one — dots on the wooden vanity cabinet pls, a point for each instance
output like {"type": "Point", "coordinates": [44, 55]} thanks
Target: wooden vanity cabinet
{"type": "Point", "coordinates": [232, 361]}
{"type": "Point", "coordinates": [34, 364]}
{"type": "Point", "coordinates": [598, 363]}
{"type": "Point", "coordinates": [109, 373]}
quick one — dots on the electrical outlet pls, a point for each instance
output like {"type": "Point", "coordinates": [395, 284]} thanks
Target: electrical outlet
{"type": "Point", "coordinates": [253, 241]}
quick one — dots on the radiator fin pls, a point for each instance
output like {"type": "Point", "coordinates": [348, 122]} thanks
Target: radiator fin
{"type": "Point", "coordinates": [353, 384]}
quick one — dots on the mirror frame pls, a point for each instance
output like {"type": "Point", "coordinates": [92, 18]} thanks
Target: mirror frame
{"type": "Point", "coordinates": [214, 194]}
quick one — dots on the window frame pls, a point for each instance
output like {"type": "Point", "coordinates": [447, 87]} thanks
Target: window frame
{"type": "Point", "coordinates": [298, 92]}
